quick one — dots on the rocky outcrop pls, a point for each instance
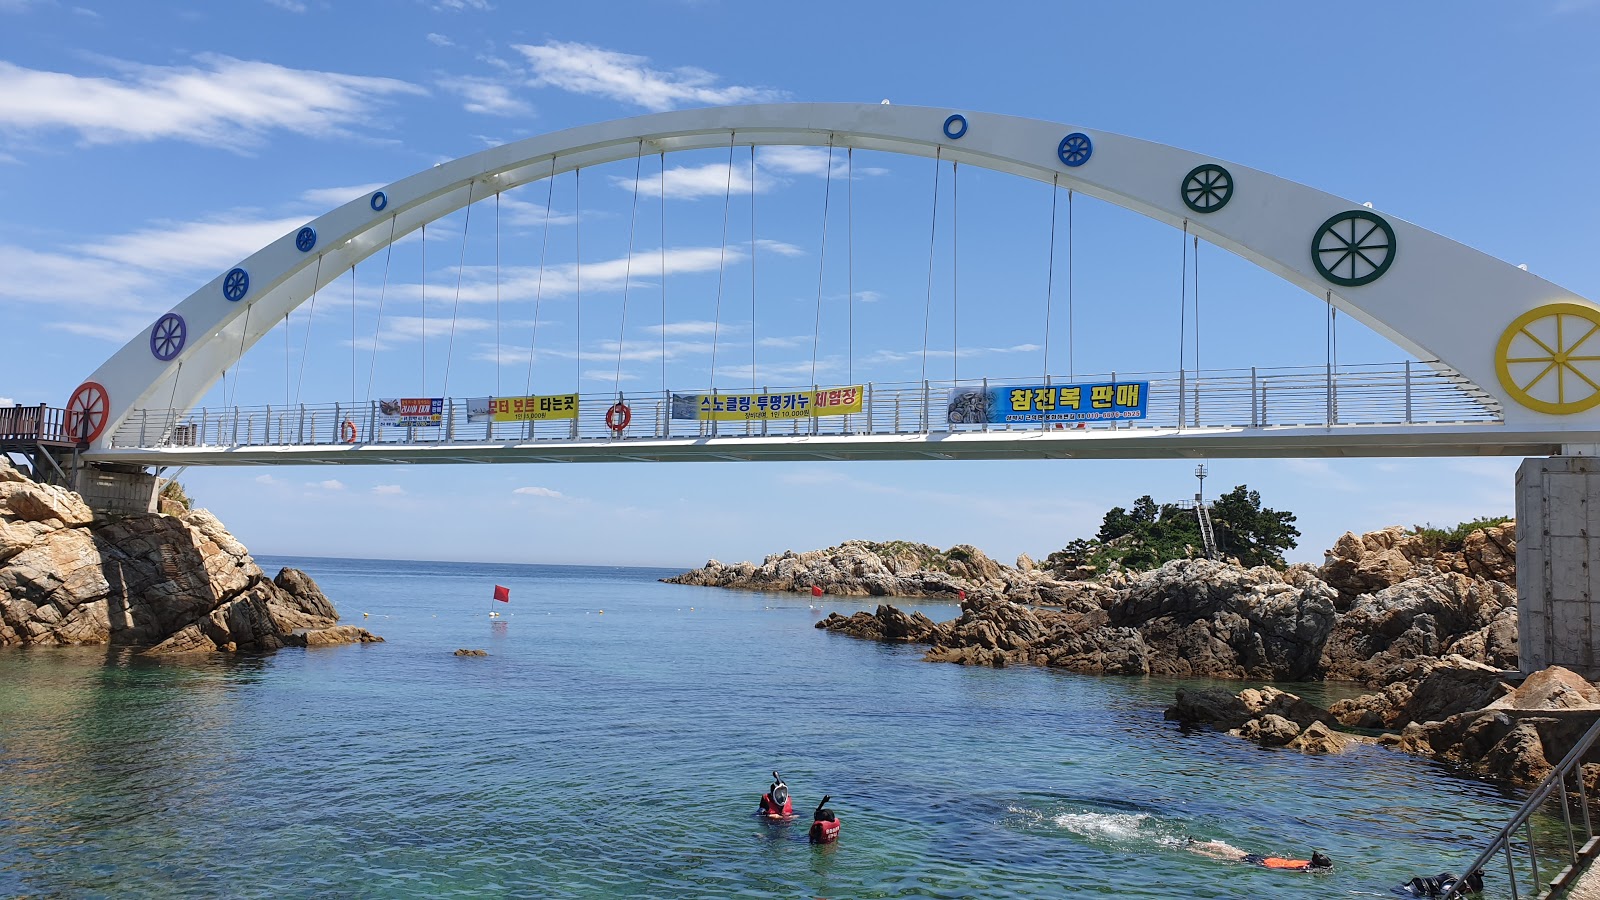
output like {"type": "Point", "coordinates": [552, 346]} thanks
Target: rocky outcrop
{"type": "Point", "coordinates": [1189, 618]}
{"type": "Point", "coordinates": [1266, 716]}
{"type": "Point", "coordinates": [1430, 616]}
{"type": "Point", "coordinates": [891, 569]}
{"type": "Point", "coordinates": [168, 583]}
{"type": "Point", "coordinates": [1371, 562]}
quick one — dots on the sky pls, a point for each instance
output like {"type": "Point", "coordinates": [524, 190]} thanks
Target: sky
{"type": "Point", "coordinates": [146, 147]}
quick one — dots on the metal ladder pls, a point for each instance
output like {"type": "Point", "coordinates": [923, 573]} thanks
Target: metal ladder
{"type": "Point", "coordinates": [1578, 855]}
{"type": "Point", "coordinates": [1208, 536]}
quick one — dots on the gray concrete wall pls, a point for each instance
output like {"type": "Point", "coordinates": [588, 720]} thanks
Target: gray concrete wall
{"type": "Point", "coordinates": [117, 492]}
{"type": "Point", "coordinates": [1558, 558]}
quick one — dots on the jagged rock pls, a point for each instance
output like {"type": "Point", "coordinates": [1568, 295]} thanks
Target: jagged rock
{"type": "Point", "coordinates": [1215, 707]}
{"type": "Point", "coordinates": [1361, 564]}
{"type": "Point", "coordinates": [1269, 730]}
{"type": "Point", "coordinates": [1425, 691]}
{"type": "Point", "coordinates": [465, 652]}
{"type": "Point", "coordinates": [1426, 616]}
{"type": "Point", "coordinates": [1553, 688]}
{"type": "Point", "coordinates": [1205, 618]}
{"type": "Point", "coordinates": [171, 584]}
{"type": "Point", "coordinates": [1492, 553]}
{"type": "Point", "coordinates": [1319, 738]}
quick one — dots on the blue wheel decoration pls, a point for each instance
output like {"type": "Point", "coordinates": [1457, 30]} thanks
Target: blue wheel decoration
{"type": "Point", "coordinates": [955, 127]}
{"type": "Point", "coordinates": [379, 201]}
{"type": "Point", "coordinates": [236, 284]}
{"type": "Point", "coordinates": [167, 338]}
{"type": "Point", "coordinates": [1075, 149]}
{"type": "Point", "coordinates": [305, 239]}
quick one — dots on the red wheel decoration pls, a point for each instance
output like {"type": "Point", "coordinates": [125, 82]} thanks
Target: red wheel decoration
{"type": "Point", "coordinates": [87, 412]}
{"type": "Point", "coordinates": [618, 416]}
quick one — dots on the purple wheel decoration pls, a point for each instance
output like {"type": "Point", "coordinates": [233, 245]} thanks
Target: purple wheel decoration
{"type": "Point", "coordinates": [379, 201]}
{"type": "Point", "coordinates": [305, 239]}
{"type": "Point", "coordinates": [167, 338]}
{"type": "Point", "coordinates": [1075, 149]}
{"type": "Point", "coordinates": [235, 284]}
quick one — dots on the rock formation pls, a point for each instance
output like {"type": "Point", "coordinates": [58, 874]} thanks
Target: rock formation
{"type": "Point", "coordinates": [168, 583]}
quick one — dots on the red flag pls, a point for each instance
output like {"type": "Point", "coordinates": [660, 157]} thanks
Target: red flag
{"type": "Point", "coordinates": [816, 590]}
{"type": "Point", "coordinates": [503, 594]}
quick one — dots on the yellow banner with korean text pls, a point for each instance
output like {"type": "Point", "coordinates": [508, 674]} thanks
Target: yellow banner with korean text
{"type": "Point", "coordinates": [833, 401]}
{"type": "Point", "coordinates": [522, 409]}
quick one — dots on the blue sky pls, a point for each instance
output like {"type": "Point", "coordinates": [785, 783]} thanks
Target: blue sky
{"type": "Point", "coordinates": [144, 148]}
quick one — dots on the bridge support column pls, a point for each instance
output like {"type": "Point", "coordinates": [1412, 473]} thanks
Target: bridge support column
{"type": "Point", "coordinates": [1558, 564]}
{"type": "Point", "coordinates": [118, 490]}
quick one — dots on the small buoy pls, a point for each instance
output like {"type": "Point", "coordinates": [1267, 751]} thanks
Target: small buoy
{"type": "Point", "coordinates": [365, 615]}
{"type": "Point", "coordinates": [602, 612]}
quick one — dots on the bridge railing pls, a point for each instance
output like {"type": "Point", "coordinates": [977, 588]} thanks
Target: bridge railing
{"type": "Point", "coordinates": [34, 425]}
{"type": "Point", "coordinates": [1404, 393]}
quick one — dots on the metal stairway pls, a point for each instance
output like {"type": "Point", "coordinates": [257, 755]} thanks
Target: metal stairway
{"type": "Point", "coordinates": [1208, 535]}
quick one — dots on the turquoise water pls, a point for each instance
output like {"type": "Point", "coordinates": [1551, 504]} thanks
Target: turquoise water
{"type": "Point", "coordinates": [621, 754]}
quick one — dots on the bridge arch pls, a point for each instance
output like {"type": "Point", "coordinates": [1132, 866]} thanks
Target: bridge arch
{"type": "Point", "coordinates": [1433, 297]}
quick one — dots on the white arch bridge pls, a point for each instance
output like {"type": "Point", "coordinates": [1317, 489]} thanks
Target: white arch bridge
{"type": "Point", "coordinates": [1502, 362]}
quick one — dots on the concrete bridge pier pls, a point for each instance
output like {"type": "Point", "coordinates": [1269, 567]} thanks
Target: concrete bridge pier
{"type": "Point", "coordinates": [1558, 562]}
{"type": "Point", "coordinates": [117, 489]}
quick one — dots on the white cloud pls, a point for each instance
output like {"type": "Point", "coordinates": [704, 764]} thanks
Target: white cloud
{"type": "Point", "coordinates": [339, 196]}
{"type": "Point", "coordinates": [388, 489]}
{"type": "Point", "coordinates": [192, 246]}
{"type": "Point", "coordinates": [332, 484]}
{"type": "Point", "coordinates": [486, 96]}
{"type": "Point", "coordinates": [778, 247]}
{"type": "Point", "coordinates": [868, 296]}
{"type": "Point", "coordinates": [594, 71]}
{"type": "Point", "coordinates": [294, 6]}
{"type": "Point", "coordinates": [461, 5]}
{"type": "Point", "coordinates": [267, 479]}
{"type": "Point", "coordinates": [539, 492]}
{"type": "Point", "coordinates": [691, 182]}
{"type": "Point", "coordinates": [223, 102]}
{"type": "Point", "coordinates": [7, 401]}
{"type": "Point", "coordinates": [677, 328]}
{"type": "Point", "coordinates": [439, 40]}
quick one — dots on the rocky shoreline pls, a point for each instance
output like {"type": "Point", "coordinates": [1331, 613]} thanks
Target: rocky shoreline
{"type": "Point", "coordinates": [170, 582]}
{"type": "Point", "coordinates": [1433, 631]}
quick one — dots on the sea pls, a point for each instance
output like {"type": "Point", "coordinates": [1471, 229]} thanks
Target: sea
{"type": "Point", "coordinates": [615, 743]}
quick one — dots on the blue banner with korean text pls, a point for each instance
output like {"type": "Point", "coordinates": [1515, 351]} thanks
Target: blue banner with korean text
{"type": "Point", "coordinates": [1105, 401]}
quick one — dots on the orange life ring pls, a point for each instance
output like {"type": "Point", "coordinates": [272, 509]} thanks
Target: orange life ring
{"type": "Point", "coordinates": [618, 416]}
{"type": "Point", "coordinates": [347, 432]}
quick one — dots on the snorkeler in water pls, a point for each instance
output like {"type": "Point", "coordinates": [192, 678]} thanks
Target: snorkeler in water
{"type": "Point", "coordinates": [1221, 850]}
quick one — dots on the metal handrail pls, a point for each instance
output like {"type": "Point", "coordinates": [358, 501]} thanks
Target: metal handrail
{"type": "Point", "coordinates": [1398, 394]}
{"type": "Point", "coordinates": [1577, 856]}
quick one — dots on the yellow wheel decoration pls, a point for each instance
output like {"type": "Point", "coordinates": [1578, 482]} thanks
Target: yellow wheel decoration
{"type": "Point", "coordinates": [1549, 358]}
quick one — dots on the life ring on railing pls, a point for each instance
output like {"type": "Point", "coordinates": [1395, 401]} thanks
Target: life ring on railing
{"type": "Point", "coordinates": [618, 416]}
{"type": "Point", "coordinates": [347, 432]}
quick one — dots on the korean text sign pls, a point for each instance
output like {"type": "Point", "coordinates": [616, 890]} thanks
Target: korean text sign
{"type": "Point", "coordinates": [1104, 401]}
{"type": "Point", "coordinates": [839, 401]}
{"type": "Point", "coordinates": [424, 412]}
{"type": "Point", "coordinates": [522, 409]}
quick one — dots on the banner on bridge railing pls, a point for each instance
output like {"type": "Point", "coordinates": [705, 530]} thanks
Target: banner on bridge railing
{"type": "Point", "coordinates": [423, 412]}
{"type": "Point", "coordinates": [522, 409]}
{"type": "Point", "coordinates": [840, 401]}
{"type": "Point", "coordinates": [1049, 403]}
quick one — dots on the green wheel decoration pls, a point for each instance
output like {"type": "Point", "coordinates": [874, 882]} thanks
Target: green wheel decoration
{"type": "Point", "coordinates": [1353, 248]}
{"type": "Point", "coordinates": [1207, 188]}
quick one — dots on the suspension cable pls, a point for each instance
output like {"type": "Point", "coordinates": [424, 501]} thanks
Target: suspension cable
{"type": "Point", "coordinates": [287, 380]}
{"type": "Point", "coordinates": [722, 264]}
{"type": "Point", "coordinates": [1072, 273]}
{"type": "Point", "coordinates": [497, 293]}
{"type": "Point", "coordinates": [955, 270]}
{"type": "Point", "coordinates": [461, 271]}
{"type": "Point", "coordinates": [1195, 292]}
{"type": "Point", "coordinates": [383, 292]}
{"type": "Point", "coordinates": [577, 245]}
{"type": "Point", "coordinates": [627, 269]}
{"type": "Point", "coordinates": [1183, 315]}
{"type": "Point", "coordinates": [1050, 271]}
{"type": "Point", "coordinates": [933, 230]}
{"type": "Point", "coordinates": [752, 266]}
{"type": "Point", "coordinates": [352, 334]}
{"type": "Point", "coordinates": [663, 272]}
{"type": "Point", "coordinates": [822, 260]}
{"type": "Point", "coordinates": [538, 291]}
{"type": "Point", "coordinates": [423, 341]}
{"type": "Point", "coordinates": [311, 316]}
{"type": "Point", "coordinates": [240, 357]}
